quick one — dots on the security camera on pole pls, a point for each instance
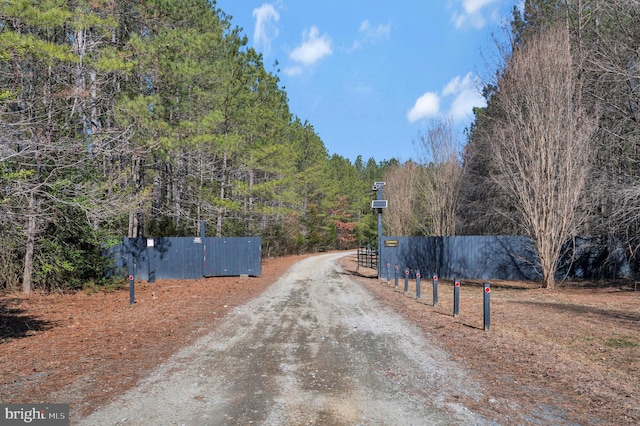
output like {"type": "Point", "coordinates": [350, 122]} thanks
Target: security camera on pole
{"type": "Point", "coordinates": [379, 204]}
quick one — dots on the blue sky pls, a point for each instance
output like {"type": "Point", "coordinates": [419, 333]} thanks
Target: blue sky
{"type": "Point", "coordinates": [370, 75]}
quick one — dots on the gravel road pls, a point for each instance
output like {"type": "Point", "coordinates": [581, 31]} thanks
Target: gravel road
{"type": "Point", "coordinates": [315, 348]}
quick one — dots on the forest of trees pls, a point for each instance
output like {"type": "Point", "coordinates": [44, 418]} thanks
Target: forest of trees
{"type": "Point", "coordinates": [145, 117]}
{"type": "Point", "coordinates": [555, 153]}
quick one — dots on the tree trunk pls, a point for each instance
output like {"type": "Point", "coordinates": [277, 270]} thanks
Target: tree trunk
{"type": "Point", "coordinates": [548, 269]}
{"type": "Point", "coordinates": [135, 223]}
{"type": "Point", "coordinates": [177, 178]}
{"type": "Point", "coordinates": [223, 179]}
{"type": "Point", "coordinates": [30, 245]}
{"type": "Point", "coordinates": [549, 282]}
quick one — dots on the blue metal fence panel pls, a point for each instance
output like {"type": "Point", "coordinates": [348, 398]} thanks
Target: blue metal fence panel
{"type": "Point", "coordinates": [167, 258]}
{"type": "Point", "coordinates": [176, 258]}
{"type": "Point", "coordinates": [134, 251]}
{"type": "Point", "coordinates": [118, 265]}
{"type": "Point", "coordinates": [233, 256]}
{"type": "Point", "coordinates": [463, 257]}
{"type": "Point", "coordinates": [489, 257]}
{"type": "Point", "coordinates": [410, 253]}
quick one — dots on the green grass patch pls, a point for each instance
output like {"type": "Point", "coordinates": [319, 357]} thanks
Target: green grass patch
{"type": "Point", "coordinates": [621, 342]}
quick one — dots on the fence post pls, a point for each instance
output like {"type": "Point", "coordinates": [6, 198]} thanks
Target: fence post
{"type": "Point", "coordinates": [487, 306]}
{"type": "Point", "coordinates": [388, 266]}
{"type": "Point", "coordinates": [396, 275]}
{"type": "Point", "coordinates": [418, 284]}
{"type": "Point", "coordinates": [456, 299]}
{"type": "Point", "coordinates": [435, 290]}
{"type": "Point", "coordinates": [406, 280]}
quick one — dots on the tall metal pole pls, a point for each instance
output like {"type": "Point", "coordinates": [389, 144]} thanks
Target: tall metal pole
{"type": "Point", "coordinates": [379, 234]}
{"type": "Point", "coordinates": [379, 204]}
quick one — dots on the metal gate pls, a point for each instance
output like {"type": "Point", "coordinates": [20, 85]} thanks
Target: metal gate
{"type": "Point", "coordinates": [232, 256]}
{"type": "Point", "coordinates": [149, 259]}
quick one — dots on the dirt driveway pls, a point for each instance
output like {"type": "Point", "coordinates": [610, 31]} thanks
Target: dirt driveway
{"type": "Point", "coordinates": [315, 348]}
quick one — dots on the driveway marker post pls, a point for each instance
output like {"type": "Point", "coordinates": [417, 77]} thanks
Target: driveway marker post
{"type": "Point", "coordinates": [487, 306]}
{"type": "Point", "coordinates": [456, 299]}
{"type": "Point", "coordinates": [131, 269]}
{"type": "Point", "coordinates": [396, 275]}
{"type": "Point", "coordinates": [435, 290]}
{"type": "Point", "coordinates": [132, 290]}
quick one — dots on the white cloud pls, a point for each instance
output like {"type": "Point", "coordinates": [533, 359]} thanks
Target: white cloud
{"type": "Point", "coordinates": [473, 6]}
{"type": "Point", "coordinates": [313, 47]}
{"type": "Point", "coordinates": [427, 105]}
{"type": "Point", "coordinates": [475, 20]}
{"type": "Point", "coordinates": [457, 84]}
{"type": "Point", "coordinates": [467, 96]}
{"type": "Point", "coordinates": [465, 93]}
{"type": "Point", "coordinates": [462, 106]}
{"type": "Point", "coordinates": [474, 13]}
{"type": "Point", "coordinates": [375, 34]}
{"type": "Point", "coordinates": [293, 71]}
{"type": "Point", "coordinates": [371, 34]}
{"type": "Point", "coordinates": [266, 30]}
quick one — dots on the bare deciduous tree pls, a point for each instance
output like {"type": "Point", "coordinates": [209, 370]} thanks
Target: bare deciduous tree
{"type": "Point", "coordinates": [541, 144]}
{"type": "Point", "coordinates": [402, 192]}
{"type": "Point", "coordinates": [439, 153]}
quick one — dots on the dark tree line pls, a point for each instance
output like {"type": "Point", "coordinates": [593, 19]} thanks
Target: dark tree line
{"type": "Point", "coordinates": [143, 118]}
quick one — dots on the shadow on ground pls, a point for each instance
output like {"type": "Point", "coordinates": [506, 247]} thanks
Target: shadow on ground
{"type": "Point", "coordinates": [15, 323]}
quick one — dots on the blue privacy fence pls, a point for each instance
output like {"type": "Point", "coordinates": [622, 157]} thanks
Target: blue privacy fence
{"type": "Point", "coordinates": [501, 258]}
{"type": "Point", "coordinates": [467, 257]}
{"type": "Point", "coordinates": [149, 259]}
